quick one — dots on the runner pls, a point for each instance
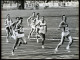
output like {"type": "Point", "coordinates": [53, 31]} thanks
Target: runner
{"type": "Point", "coordinates": [8, 23]}
{"type": "Point", "coordinates": [65, 33]}
{"type": "Point", "coordinates": [42, 30]}
{"type": "Point", "coordinates": [20, 37]}
{"type": "Point", "coordinates": [31, 23]}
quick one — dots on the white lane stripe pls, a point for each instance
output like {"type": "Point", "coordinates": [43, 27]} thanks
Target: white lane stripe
{"type": "Point", "coordinates": [77, 38]}
{"type": "Point", "coordinates": [48, 28]}
{"type": "Point", "coordinates": [59, 39]}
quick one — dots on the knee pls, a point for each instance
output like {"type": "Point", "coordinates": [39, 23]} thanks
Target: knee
{"type": "Point", "coordinates": [70, 41]}
{"type": "Point", "coordinates": [24, 40]}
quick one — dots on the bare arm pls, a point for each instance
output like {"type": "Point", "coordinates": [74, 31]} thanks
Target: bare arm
{"type": "Point", "coordinates": [5, 22]}
{"type": "Point", "coordinates": [11, 21]}
{"type": "Point", "coordinates": [28, 20]}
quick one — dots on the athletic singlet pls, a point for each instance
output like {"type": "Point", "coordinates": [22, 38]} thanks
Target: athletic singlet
{"type": "Point", "coordinates": [8, 23]}
{"type": "Point", "coordinates": [63, 26]}
{"type": "Point", "coordinates": [37, 21]}
{"type": "Point", "coordinates": [30, 19]}
{"type": "Point", "coordinates": [42, 27]}
{"type": "Point", "coordinates": [19, 29]}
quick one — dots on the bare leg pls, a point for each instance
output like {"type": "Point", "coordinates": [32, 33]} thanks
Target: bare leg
{"type": "Point", "coordinates": [7, 36]}
{"type": "Point", "coordinates": [37, 34]}
{"type": "Point", "coordinates": [70, 42]}
{"type": "Point", "coordinates": [37, 39]}
{"type": "Point", "coordinates": [23, 41]}
{"type": "Point", "coordinates": [61, 42]}
{"type": "Point", "coordinates": [37, 31]}
{"type": "Point", "coordinates": [16, 43]}
{"type": "Point", "coordinates": [43, 39]}
{"type": "Point", "coordinates": [30, 33]}
{"type": "Point", "coordinates": [11, 31]}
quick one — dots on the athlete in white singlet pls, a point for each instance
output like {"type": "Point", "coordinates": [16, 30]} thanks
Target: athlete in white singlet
{"type": "Point", "coordinates": [37, 23]}
{"type": "Point", "coordinates": [31, 23]}
{"type": "Point", "coordinates": [42, 30]}
{"type": "Point", "coordinates": [65, 33]}
{"type": "Point", "coordinates": [8, 23]}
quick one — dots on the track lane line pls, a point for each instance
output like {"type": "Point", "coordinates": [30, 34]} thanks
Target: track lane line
{"type": "Point", "coordinates": [77, 38]}
{"type": "Point", "coordinates": [48, 28]}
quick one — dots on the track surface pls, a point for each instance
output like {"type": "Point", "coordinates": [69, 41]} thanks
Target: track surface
{"type": "Point", "coordinates": [33, 49]}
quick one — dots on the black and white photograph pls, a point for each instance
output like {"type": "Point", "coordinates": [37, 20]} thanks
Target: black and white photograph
{"type": "Point", "coordinates": [39, 29]}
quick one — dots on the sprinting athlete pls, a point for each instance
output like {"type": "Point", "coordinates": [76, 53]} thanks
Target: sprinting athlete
{"type": "Point", "coordinates": [37, 23]}
{"type": "Point", "coordinates": [65, 33]}
{"type": "Point", "coordinates": [42, 30]}
{"type": "Point", "coordinates": [31, 23]}
{"type": "Point", "coordinates": [13, 26]}
{"type": "Point", "coordinates": [30, 19]}
{"type": "Point", "coordinates": [8, 23]}
{"type": "Point", "coordinates": [19, 31]}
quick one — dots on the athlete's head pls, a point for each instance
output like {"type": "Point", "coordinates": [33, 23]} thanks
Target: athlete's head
{"type": "Point", "coordinates": [38, 14]}
{"type": "Point", "coordinates": [64, 18]}
{"type": "Point", "coordinates": [8, 16]}
{"type": "Point", "coordinates": [17, 18]}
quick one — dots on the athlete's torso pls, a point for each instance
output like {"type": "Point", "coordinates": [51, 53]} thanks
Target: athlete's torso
{"type": "Point", "coordinates": [37, 21]}
{"type": "Point", "coordinates": [42, 27]}
{"type": "Point", "coordinates": [8, 22]}
{"type": "Point", "coordinates": [32, 20]}
{"type": "Point", "coordinates": [64, 27]}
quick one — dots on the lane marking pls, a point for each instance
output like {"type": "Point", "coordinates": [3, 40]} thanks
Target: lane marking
{"type": "Point", "coordinates": [48, 28]}
{"type": "Point", "coordinates": [77, 38]}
